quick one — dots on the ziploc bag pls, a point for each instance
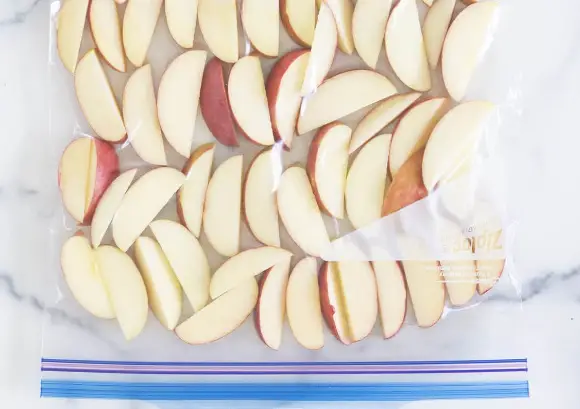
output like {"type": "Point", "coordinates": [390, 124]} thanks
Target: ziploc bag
{"type": "Point", "coordinates": [370, 199]}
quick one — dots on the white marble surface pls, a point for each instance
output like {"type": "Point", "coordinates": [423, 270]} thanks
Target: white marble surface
{"type": "Point", "coordinates": [544, 193]}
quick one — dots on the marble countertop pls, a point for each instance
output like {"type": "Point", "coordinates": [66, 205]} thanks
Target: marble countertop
{"type": "Point", "coordinates": [544, 193]}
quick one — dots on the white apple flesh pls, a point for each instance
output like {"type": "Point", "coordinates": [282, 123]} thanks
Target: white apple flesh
{"type": "Point", "coordinates": [426, 290]}
{"type": "Point", "coordinates": [392, 295]}
{"type": "Point", "coordinates": [218, 21]}
{"type": "Point", "coordinates": [142, 202]}
{"type": "Point", "coordinates": [343, 11]}
{"type": "Point", "coordinates": [181, 17]}
{"type": "Point", "coordinates": [303, 304]}
{"type": "Point", "coordinates": [140, 114]}
{"type": "Point", "coordinates": [435, 29]}
{"type": "Point", "coordinates": [186, 258]}
{"type": "Point", "coordinates": [369, 23]}
{"type": "Point", "coordinates": [261, 20]}
{"type": "Point", "coordinates": [106, 30]}
{"type": "Point", "coordinates": [139, 23]}
{"type": "Point", "coordinates": [299, 19]}
{"type": "Point", "coordinates": [299, 212]}
{"type": "Point", "coordinates": [81, 273]}
{"type": "Point", "coordinates": [460, 280]}
{"type": "Point", "coordinates": [69, 31]}
{"type": "Point", "coordinates": [221, 218]}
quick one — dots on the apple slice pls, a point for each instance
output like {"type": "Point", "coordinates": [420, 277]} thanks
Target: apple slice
{"type": "Point", "coordinates": [186, 258]}
{"type": "Point", "coordinates": [460, 280]}
{"type": "Point", "coordinates": [381, 116]}
{"type": "Point", "coordinates": [392, 296]}
{"type": "Point", "coordinates": [178, 99]}
{"type": "Point", "coordinates": [261, 20]}
{"type": "Point", "coordinates": [142, 202]}
{"type": "Point", "coordinates": [405, 46]}
{"type": "Point", "coordinates": [87, 168]}
{"type": "Point", "coordinates": [343, 11]}
{"type": "Point", "coordinates": [428, 2]}
{"type": "Point", "coordinates": [108, 206]}
{"type": "Point", "coordinates": [407, 186]}
{"type": "Point", "coordinates": [82, 276]}
{"type": "Point", "coordinates": [349, 299]}
{"type": "Point", "coordinates": [369, 23]}
{"type": "Point", "coordinates": [299, 19]}
{"type": "Point", "coordinates": [215, 105]}
{"type": "Point", "coordinates": [221, 217]}
{"type": "Point", "coordinates": [218, 21]}
{"type": "Point", "coordinates": [323, 50]}
{"type": "Point", "coordinates": [435, 29]}
{"type": "Point", "coordinates": [69, 31]}
{"type": "Point", "coordinates": [271, 308]}
{"type": "Point", "coordinates": [327, 166]}
{"type": "Point", "coordinates": [259, 201]}
{"type": "Point", "coordinates": [300, 213]}
{"type": "Point", "coordinates": [191, 196]}
{"type": "Point", "coordinates": [454, 139]}
{"type": "Point", "coordinates": [163, 289]}
{"type": "Point", "coordinates": [106, 30]}
{"type": "Point", "coordinates": [181, 16]}
{"type": "Point", "coordinates": [283, 89]}
{"type": "Point", "coordinates": [222, 316]}
{"type": "Point", "coordinates": [140, 114]}
{"type": "Point", "coordinates": [366, 181]}
{"type": "Point", "coordinates": [247, 95]}
{"type": "Point", "coordinates": [488, 272]}
{"type": "Point", "coordinates": [139, 25]}
{"type": "Point", "coordinates": [465, 43]}
{"type": "Point", "coordinates": [413, 130]}
{"type": "Point", "coordinates": [97, 100]}
{"type": "Point", "coordinates": [342, 95]}
{"type": "Point", "coordinates": [426, 290]}
{"type": "Point", "coordinates": [125, 288]}
{"type": "Point", "coordinates": [245, 265]}
{"type": "Point", "coordinates": [303, 304]}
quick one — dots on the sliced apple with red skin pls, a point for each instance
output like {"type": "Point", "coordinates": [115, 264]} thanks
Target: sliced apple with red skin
{"type": "Point", "coordinates": [218, 21]}
{"type": "Point", "coordinates": [380, 117]}
{"type": "Point", "coordinates": [392, 296]}
{"type": "Point", "coordinates": [343, 11]}
{"type": "Point", "coordinates": [327, 166]}
{"type": "Point", "coordinates": [369, 23]}
{"type": "Point", "coordinates": [366, 182]}
{"type": "Point", "coordinates": [81, 273]}
{"type": "Point", "coordinates": [248, 100]}
{"type": "Point", "coordinates": [413, 130]}
{"type": "Point", "coordinates": [142, 202]}
{"type": "Point", "coordinates": [283, 89]}
{"type": "Point", "coordinates": [222, 316]}
{"type": "Point", "coordinates": [407, 186]}
{"type": "Point", "coordinates": [108, 206]}
{"type": "Point", "coordinates": [186, 258]}
{"type": "Point", "coordinates": [406, 48]}
{"type": "Point", "coordinates": [348, 292]}
{"type": "Point", "coordinates": [303, 304]}
{"type": "Point", "coordinates": [466, 41]}
{"type": "Point", "coordinates": [299, 19]}
{"type": "Point", "coordinates": [261, 20]}
{"type": "Point", "coordinates": [87, 168]}
{"type": "Point", "coordinates": [69, 31]}
{"type": "Point", "coordinates": [426, 290]}
{"type": "Point", "coordinates": [342, 95]}
{"type": "Point", "coordinates": [139, 24]}
{"type": "Point", "coordinates": [299, 212]}
{"type": "Point", "coordinates": [435, 29]}
{"type": "Point", "coordinates": [140, 114]}
{"type": "Point", "coordinates": [221, 217]}
{"type": "Point", "coordinates": [271, 308]}
{"type": "Point", "coordinates": [178, 99]}
{"type": "Point", "coordinates": [322, 52]}
{"type": "Point", "coordinates": [191, 196]}
{"type": "Point", "coordinates": [245, 265]}
{"type": "Point", "coordinates": [163, 289]}
{"type": "Point", "coordinates": [215, 105]}
{"type": "Point", "coordinates": [460, 280]}
{"type": "Point", "coordinates": [106, 30]}
{"type": "Point", "coordinates": [259, 201]}
{"type": "Point", "coordinates": [454, 138]}
{"type": "Point", "coordinates": [181, 17]}
{"type": "Point", "coordinates": [125, 288]}
{"type": "Point", "coordinates": [97, 100]}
